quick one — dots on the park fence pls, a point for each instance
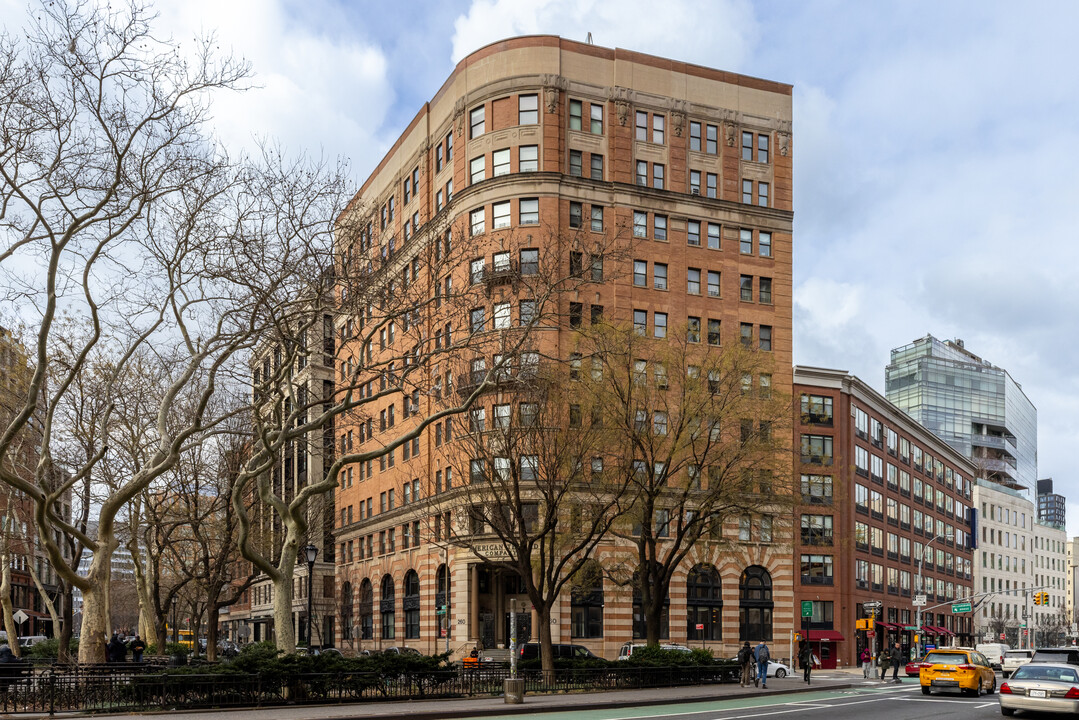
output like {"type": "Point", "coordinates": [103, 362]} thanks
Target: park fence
{"type": "Point", "coordinates": [108, 689]}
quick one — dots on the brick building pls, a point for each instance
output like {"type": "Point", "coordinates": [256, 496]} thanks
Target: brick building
{"type": "Point", "coordinates": [530, 141]}
{"type": "Point", "coordinates": [879, 491]}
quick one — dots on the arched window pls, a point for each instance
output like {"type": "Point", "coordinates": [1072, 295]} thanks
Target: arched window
{"type": "Point", "coordinates": [755, 604]}
{"type": "Point", "coordinates": [442, 595]}
{"type": "Point", "coordinates": [704, 600]}
{"type": "Point", "coordinates": [640, 630]}
{"type": "Point", "coordinates": [386, 608]}
{"type": "Point", "coordinates": [586, 602]}
{"type": "Point", "coordinates": [412, 605]}
{"type": "Point", "coordinates": [346, 611]}
{"type": "Point", "coordinates": [367, 610]}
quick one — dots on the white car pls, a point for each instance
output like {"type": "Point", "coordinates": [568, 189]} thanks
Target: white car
{"type": "Point", "coordinates": [775, 669]}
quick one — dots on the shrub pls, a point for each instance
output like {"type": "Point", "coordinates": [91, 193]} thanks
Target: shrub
{"type": "Point", "coordinates": [50, 648]}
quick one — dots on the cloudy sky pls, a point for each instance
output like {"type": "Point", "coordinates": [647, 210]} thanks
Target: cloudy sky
{"type": "Point", "coordinates": [935, 147]}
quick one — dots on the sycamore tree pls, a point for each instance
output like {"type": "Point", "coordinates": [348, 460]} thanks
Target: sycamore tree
{"type": "Point", "coordinates": [412, 335]}
{"type": "Point", "coordinates": [119, 212]}
{"type": "Point", "coordinates": [698, 436]}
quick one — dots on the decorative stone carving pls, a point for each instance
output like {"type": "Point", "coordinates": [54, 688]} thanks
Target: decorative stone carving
{"type": "Point", "coordinates": [459, 116]}
{"type": "Point", "coordinates": [784, 144]}
{"type": "Point", "coordinates": [729, 129]}
{"type": "Point", "coordinates": [620, 97]}
{"type": "Point", "coordinates": [552, 84]}
{"type": "Point", "coordinates": [678, 123]}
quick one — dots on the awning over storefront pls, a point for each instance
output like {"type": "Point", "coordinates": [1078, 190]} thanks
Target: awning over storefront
{"type": "Point", "coordinates": [887, 625]}
{"type": "Point", "coordinates": [824, 636]}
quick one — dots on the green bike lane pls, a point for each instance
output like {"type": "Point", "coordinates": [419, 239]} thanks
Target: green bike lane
{"type": "Point", "coordinates": [762, 706]}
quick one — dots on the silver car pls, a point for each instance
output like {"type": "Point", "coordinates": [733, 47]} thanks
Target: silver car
{"type": "Point", "coordinates": [1041, 687]}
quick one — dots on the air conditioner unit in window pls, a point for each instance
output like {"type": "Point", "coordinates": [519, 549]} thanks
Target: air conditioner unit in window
{"type": "Point", "coordinates": [695, 191]}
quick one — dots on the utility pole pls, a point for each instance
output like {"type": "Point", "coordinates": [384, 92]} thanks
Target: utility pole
{"type": "Point", "coordinates": [919, 585]}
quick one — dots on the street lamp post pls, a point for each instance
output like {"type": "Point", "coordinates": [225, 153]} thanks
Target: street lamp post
{"type": "Point", "coordinates": [921, 587]}
{"type": "Point", "coordinates": [310, 552]}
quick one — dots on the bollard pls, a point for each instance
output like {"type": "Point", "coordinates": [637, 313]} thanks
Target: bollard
{"type": "Point", "coordinates": [514, 690]}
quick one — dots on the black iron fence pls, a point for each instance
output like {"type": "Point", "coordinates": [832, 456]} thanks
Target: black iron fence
{"type": "Point", "coordinates": [118, 689]}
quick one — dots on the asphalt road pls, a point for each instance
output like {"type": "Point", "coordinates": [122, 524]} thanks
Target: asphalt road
{"type": "Point", "coordinates": [866, 702]}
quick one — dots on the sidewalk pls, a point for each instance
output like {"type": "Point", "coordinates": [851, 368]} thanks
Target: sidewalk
{"type": "Point", "coordinates": [494, 706]}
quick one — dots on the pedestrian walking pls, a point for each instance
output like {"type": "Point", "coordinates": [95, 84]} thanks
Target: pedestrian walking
{"type": "Point", "coordinates": [805, 657]}
{"type": "Point", "coordinates": [897, 660]}
{"type": "Point", "coordinates": [762, 655]}
{"type": "Point", "coordinates": [884, 660]}
{"type": "Point", "coordinates": [745, 659]}
{"type": "Point", "coordinates": [867, 659]}
{"type": "Point", "coordinates": [138, 647]}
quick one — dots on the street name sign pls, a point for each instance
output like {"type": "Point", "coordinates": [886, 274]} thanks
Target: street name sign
{"type": "Point", "coordinates": [961, 607]}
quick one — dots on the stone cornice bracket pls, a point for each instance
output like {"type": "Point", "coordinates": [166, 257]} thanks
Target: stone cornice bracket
{"type": "Point", "coordinates": [552, 85]}
{"type": "Point", "coordinates": [459, 115]}
{"type": "Point", "coordinates": [728, 128]}
{"type": "Point", "coordinates": [678, 117]}
{"type": "Point", "coordinates": [784, 137]}
{"type": "Point", "coordinates": [620, 97]}
{"type": "Point", "coordinates": [730, 121]}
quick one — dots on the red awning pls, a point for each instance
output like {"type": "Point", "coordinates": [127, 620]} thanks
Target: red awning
{"type": "Point", "coordinates": [824, 636]}
{"type": "Point", "coordinates": [886, 625]}
{"type": "Point", "coordinates": [946, 631]}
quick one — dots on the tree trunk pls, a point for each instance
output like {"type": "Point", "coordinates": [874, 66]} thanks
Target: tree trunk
{"type": "Point", "coordinates": [147, 628]}
{"type": "Point", "coordinates": [284, 632]}
{"type": "Point", "coordinates": [50, 606]}
{"type": "Point", "coordinates": [95, 605]}
{"type": "Point", "coordinates": [5, 603]}
{"type": "Point", "coordinates": [63, 654]}
{"type": "Point", "coordinates": [653, 617]}
{"type": "Point", "coordinates": [211, 631]}
{"type": "Point", "coordinates": [543, 616]}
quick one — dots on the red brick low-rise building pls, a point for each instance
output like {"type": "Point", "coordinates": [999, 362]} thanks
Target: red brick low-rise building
{"type": "Point", "coordinates": [879, 494]}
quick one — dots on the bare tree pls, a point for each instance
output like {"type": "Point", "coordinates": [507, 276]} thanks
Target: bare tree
{"type": "Point", "coordinates": [537, 501]}
{"type": "Point", "coordinates": [697, 433]}
{"type": "Point", "coordinates": [165, 251]}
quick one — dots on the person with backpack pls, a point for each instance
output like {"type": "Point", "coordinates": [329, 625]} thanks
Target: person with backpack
{"type": "Point", "coordinates": [138, 647]}
{"type": "Point", "coordinates": [897, 660]}
{"type": "Point", "coordinates": [745, 659]}
{"type": "Point", "coordinates": [866, 658]}
{"type": "Point", "coordinates": [884, 659]}
{"type": "Point", "coordinates": [762, 655]}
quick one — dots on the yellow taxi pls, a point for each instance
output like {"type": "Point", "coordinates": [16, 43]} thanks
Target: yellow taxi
{"type": "Point", "coordinates": [962, 669]}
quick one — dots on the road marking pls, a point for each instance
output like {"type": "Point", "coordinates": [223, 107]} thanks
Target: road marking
{"type": "Point", "coordinates": [988, 704]}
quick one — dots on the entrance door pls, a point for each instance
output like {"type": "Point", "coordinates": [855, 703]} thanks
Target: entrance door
{"type": "Point", "coordinates": [827, 655]}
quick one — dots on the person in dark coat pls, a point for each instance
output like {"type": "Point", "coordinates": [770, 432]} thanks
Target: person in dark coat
{"type": "Point", "coordinates": [6, 656]}
{"type": "Point", "coordinates": [138, 647]}
{"type": "Point", "coordinates": [116, 651]}
{"type": "Point", "coordinates": [897, 660]}
{"type": "Point", "coordinates": [805, 659]}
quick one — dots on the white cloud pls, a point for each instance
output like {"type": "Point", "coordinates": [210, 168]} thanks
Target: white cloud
{"type": "Point", "coordinates": [319, 87]}
{"type": "Point", "coordinates": [719, 34]}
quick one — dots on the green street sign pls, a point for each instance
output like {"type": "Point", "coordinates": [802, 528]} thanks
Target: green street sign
{"type": "Point", "coordinates": [807, 608]}
{"type": "Point", "coordinates": [961, 607]}
{"type": "Point", "coordinates": [911, 627]}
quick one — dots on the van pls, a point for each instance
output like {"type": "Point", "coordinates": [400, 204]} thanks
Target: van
{"type": "Point", "coordinates": [31, 640]}
{"type": "Point", "coordinates": [561, 651]}
{"type": "Point", "coordinates": [994, 653]}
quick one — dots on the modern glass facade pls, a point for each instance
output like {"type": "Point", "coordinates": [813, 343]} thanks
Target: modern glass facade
{"type": "Point", "coordinates": [972, 405]}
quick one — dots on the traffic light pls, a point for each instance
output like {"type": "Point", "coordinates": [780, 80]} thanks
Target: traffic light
{"type": "Point", "coordinates": [1037, 598]}
{"type": "Point", "coordinates": [1045, 598]}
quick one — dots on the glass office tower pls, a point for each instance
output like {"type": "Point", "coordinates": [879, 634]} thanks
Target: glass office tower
{"type": "Point", "coordinates": [972, 405]}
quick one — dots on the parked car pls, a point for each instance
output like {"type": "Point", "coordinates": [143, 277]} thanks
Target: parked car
{"type": "Point", "coordinates": [775, 668]}
{"type": "Point", "coordinates": [1065, 655]}
{"type": "Point", "coordinates": [31, 640]}
{"type": "Point", "coordinates": [628, 649]}
{"type": "Point", "coordinates": [1041, 687]}
{"type": "Point", "coordinates": [994, 653]}
{"type": "Point", "coordinates": [1013, 659]}
{"type": "Point", "coordinates": [961, 669]}
{"type": "Point", "coordinates": [395, 650]}
{"type": "Point", "coordinates": [561, 651]}
{"type": "Point", "coordinates": [914, 667]}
